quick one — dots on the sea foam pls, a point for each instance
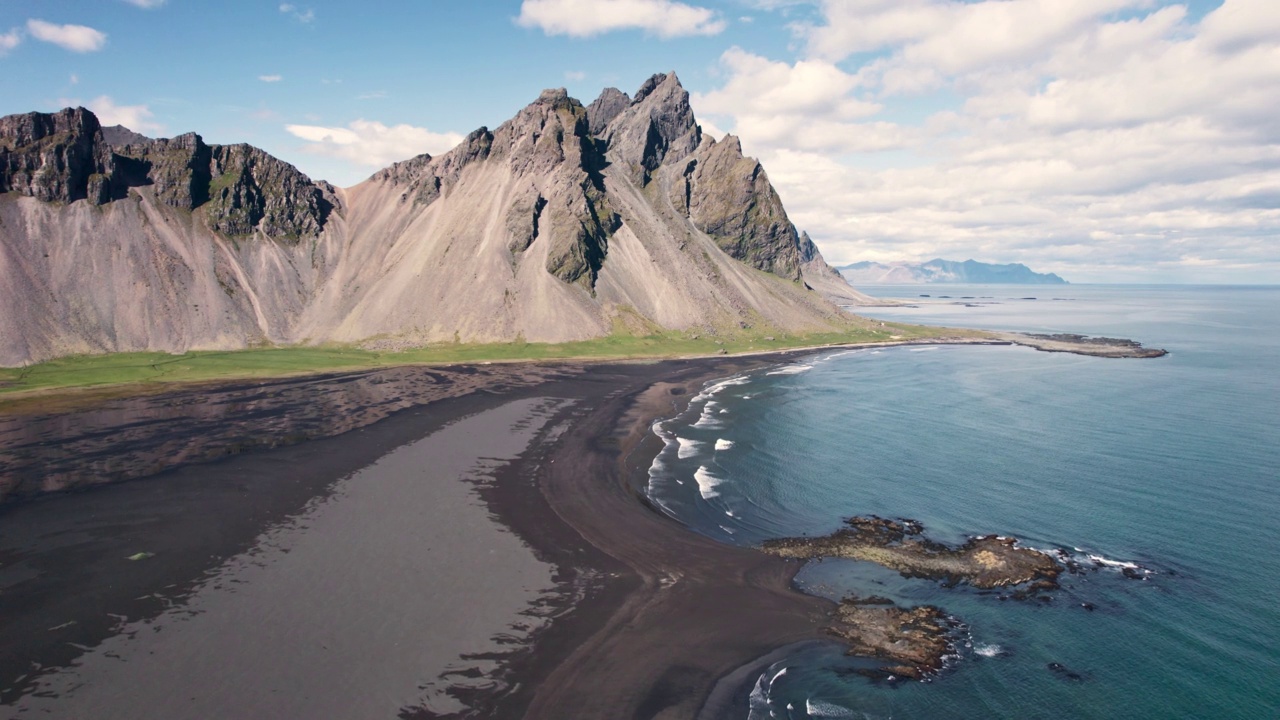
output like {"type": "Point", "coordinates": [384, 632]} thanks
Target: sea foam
{"type": "Point", "coordinates": [790, 370]}
{"type": "Point", "coordinates": [818, 708]}
{"type": "Point", "coordinates": [707, 482]}
{"type": "Point", "coordinates": [688, 448]}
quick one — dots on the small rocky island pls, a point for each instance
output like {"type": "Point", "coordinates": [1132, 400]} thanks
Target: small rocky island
{"type": "Point", "coordinates": [989, 561]}
{"type": "Point", "coordinates": [1083, 345]}
{"type": "Point", "coordinates": [915, 640]}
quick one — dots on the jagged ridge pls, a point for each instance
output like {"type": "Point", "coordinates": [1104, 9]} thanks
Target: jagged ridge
{"type": "Point", "coordinates": [65, 157]}
{"type": "Point", "coordinates": [564, 223]}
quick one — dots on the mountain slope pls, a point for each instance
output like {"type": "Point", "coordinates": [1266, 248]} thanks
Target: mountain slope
{"type": "Point", "coordinates": [564, 223]}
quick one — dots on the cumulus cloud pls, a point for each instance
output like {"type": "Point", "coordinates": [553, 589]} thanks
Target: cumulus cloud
{"type": "Point", "coordinates": [1100, 138]}
{"type": "Point", "coordinates": [585, 18]}
{"type": "Point", "coordinates": [372, 144]}
{"type": "Point", "coordinates": [809, 105]}
{"type": "Point", "coordinates": [76, 38]}
{"type": "Point", "coordinates": [9, 41]}
{"type": "Point", "coordinates": [135, 117]}
{"type": "Point", "coordinates": [147, 4]}
{"type": "Point", "coordinates": [303, 16]}
{"type": "Point", "coordinates": [270, 78]}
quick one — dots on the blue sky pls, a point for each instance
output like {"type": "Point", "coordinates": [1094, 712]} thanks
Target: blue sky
{"type": "Point", "coordinates": [1106, 140]}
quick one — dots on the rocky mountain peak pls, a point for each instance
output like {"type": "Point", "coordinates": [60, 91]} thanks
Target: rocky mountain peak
{"type": "Point", "coordinates": [57, 157]}
{"type": "Point", "coordinates": [657, 128]}
{"type": "Point", "coordinates": [28, 128]}
{"type": "Point", "coordinates": [119, 135]}
{"type": "Point", "coordinates": [66, 156]}
{"type": "Point", "coordinates": [605, 108]}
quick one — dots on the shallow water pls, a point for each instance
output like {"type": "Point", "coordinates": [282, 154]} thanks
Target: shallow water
{"type": "Point", "coordinates": [1167, 463]}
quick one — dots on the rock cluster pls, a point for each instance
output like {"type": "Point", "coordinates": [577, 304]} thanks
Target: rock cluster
{"type": "Point", "coordinates": [914, 641]}
{"type": "Point", "coordinates": [67, 156]}
{"type": "Point", "coordinates": [989, 561]}
{"type": "Point", "coordinates": [58, 157]}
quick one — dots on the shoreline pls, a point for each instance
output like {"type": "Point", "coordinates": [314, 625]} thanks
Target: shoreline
{"type": "Point", "coordinates": [633, 584]}
{"type": "Point", "coordinates": [68, 398]}
{"type": "Point", "coordinates": [641, 627]}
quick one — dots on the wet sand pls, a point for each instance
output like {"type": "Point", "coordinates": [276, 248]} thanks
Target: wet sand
{"type": "Point", "coordinates": [644, 615]}
{"type": "Point", "coordinates": [396, 577]}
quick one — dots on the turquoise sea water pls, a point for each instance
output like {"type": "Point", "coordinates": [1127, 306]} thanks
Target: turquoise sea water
{"type": "Point", "coordinates": [1171, 466]}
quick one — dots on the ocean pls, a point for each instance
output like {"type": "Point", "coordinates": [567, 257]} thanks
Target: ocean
{"type": "Point", "coordinates": [1169, 467]}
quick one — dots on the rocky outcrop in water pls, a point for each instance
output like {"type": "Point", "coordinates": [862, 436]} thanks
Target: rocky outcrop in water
{"type": "Point", "coordinates": [1083, 345]}
{"type": "Point", "coordinates": [988, 561]}
{"type": "Point", "coordinates": [914, 641]}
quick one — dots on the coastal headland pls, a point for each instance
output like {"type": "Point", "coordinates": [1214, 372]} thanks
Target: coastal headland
{"type": "Point", "coordinates": [649, 616]}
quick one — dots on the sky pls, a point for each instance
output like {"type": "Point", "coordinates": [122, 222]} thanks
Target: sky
{"type": "Point", "coordinates": [1104, 140]}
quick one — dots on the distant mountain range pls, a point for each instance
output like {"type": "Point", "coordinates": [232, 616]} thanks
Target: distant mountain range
{"type": "Point", "coordinates": [567, 222]}
{"type": "Point", "coordinates": [946, 271]}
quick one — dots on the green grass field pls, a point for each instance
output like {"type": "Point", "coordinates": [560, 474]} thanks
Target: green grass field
{"type": "Point", "coordinates": [152, 368]}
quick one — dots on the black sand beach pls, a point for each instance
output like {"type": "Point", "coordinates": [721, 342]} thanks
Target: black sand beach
{"type": "Point", "coordinates": [639, 619]}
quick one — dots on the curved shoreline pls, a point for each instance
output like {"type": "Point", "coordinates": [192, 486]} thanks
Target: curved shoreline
{"type": "Point", "coordinates": [674, 612]}
{"type": "Point", "coordinates": [653, 618]}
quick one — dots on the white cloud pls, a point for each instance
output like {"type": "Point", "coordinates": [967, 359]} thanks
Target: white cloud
{"type": "Point", "coordinates": [270, 78]}
{"type": "Point", "coordinates": [585, 18]}
{"type": "Point", "coordinates": [76, 38]}
{"type": "Point", "coordinates": [134, 117]}
{"type": "Point", "coordinates": [147, 4]}
{"type": "Point", "coordinates": [1068, 136]}
{"type": "Point", "coordinates": [808, 105]}
{"type": "Point", "coordinates": [372, 144]}
{"type": "Point", "coordinates": [9, 41]}
{"type": "Point", "coordinates": [575, 75]}
{"type": "Point", "coordinates": [302, 16]}
{"type": "Point", "coordinates": [75, 79]}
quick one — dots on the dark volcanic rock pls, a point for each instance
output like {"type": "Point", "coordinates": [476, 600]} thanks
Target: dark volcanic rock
{"type": "Point", "coordinates": [57, 157]}
{"type": "Point", "coordinates": [914, 640]}
{"type": "Point", "coordinates": [1064, 672]}
{"type": "Point", "coordinates": [732, 200]}
{"type": "Point", "coordinates": [987, 562]}
{"type": "Point", "coordinates": [240, 188]}
{"type": "Point", "coordinates": [119, 135]}
{"type": "Point", "coordinates": [605, 108]}
{"type": "Point", "coordinates": [658, 127]}
{"type": "Point", "coordinates": [1084, 345]}
{"type": "Point", "coordinates": [66, 156]}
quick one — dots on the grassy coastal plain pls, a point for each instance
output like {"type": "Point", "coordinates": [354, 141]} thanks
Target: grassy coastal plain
{"type": "Point", "coordinates": [128, 371]}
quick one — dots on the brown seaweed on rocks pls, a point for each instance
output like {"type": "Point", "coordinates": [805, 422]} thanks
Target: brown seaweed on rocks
{"type": "Point", "coordinates": [987, 561]}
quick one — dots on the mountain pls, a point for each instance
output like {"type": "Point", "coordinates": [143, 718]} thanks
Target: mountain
{"type": "Point", "coordinates": [564, 223]}
{"type": "Point", "coordinates": [946, 271]}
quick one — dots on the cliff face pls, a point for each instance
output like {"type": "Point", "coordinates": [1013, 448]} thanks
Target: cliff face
{"type": "Point", "coordinates": [65, 156]}
{"type": "Point", "coordinates": [240, 189]}
{"type": "Point", "coordinates": [564, 223]}
{"type": "Point", "coordinates": [57, 157]}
